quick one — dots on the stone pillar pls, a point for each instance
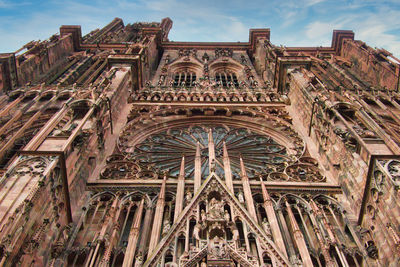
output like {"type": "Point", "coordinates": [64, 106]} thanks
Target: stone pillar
{"type": "Point", "coordinates": [249, 201]}
{"type": "Point", "coordinates": [175, 255]}
{"type": "Point", "coordinates": [156, 231]}
{"type": "Point", "coordinates": [103, 232]}
{"type": "Point", "coordinates": [246, 238]}
{"type": "Point", "coordinates": [197, 169]}
{"type": "Point", "coordinates": [133, 237]}
{"type": "Point", "coordinates": [113, 241]}
{"type": "Point", "coordinates": [286, 234]}
{"type": "Point", "coordinates": [334, 242]}
{"type": "Point", "coordinates": [247, 191]}
{"type": "Point", "coordinates": [227, 169]}
{"type": "Point", "coordinates": [273, 221]}
{"type": "Point", "coordinates": [180, 191]}
{"type": "Point", "coordinates": [187, 235]}
{"type": "Point", "coordinates": [324, 247]}
{"type": "Point", "coordinates": [299, 238]}
{"type": "Point", "coordinates": [211, 151]}
{"type": "Point", "coordinates": [298, 208]}
{"type": "Point", "coordinates": [146, 229]}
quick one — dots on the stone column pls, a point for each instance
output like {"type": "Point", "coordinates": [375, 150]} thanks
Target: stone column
{"type": "Point", "coordinates": [146, 229]}
{"type": "Point", "coordinates": [211, 151]}
{"type": "Point", "coordinates": [298, 208]}
{"type": "Point", "coordinates": [175, 255]}
{"type": "Point", "coordinates": [227, 169]}
{"type": "Point", "coordinates": [299, 238]}
{"type": "Point", "coordinates": [246, 238]}
{"type": "Point", "coordinates": [187, 235]}
{"type": "Point", "coordinates": [180, 191]}
{"type": "Point", "coordinates": [247, 191]}
{"type": "Point", "coordinates": [103, 231]}
{"type": "Point", "coordinates": [156, 231]}
{"type": "Point", "coordinates": [334, 242]}
{"type": "Point", "coordinates": [273, 221]}
{"type": "Point", "coordinates": [324, 247]}
{"type": "Point", "coordinates": [286, 234]}
{"type": "Point", "coordinates": [197, 169]}
{"type": "Point", "coordinates": [249, 201]}
{"type": "Point", "coordinates": [126, 219]}
{"type": "Point", "coordinates": [113, 241]}
{"type": "Point", "coordinates": [133, 237]}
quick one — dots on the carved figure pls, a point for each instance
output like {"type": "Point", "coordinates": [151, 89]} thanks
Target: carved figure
{"type": "Point", "coordinates": [240, 197]}
{"type": "Point", "coordinates": [188, 197]}
{"type": "Point", "coordinates": [166, 228]}
{"type": "Point", "coordinates": [203, 216]}
{"type": "Point", "coordinates": [235, 234]}
{"type": "Point", "coordinates": [226, 216]}
{"type": "Point", "coordinates": [196, 231]}
{"type": "Point", "coordinates": [266, 227]}
{"type": "Point", "coordinates": [216, 210]}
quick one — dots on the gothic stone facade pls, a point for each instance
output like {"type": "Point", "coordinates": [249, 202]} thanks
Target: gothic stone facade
{"type": "Point", "coordinates": [122, 148]}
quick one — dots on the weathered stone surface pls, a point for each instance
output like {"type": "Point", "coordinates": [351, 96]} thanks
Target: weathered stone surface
{"type": "Point", "coordinates": [120, 148]}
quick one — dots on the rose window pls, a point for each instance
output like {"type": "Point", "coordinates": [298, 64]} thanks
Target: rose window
{"type": "Point", "coordinates": [164, 150]}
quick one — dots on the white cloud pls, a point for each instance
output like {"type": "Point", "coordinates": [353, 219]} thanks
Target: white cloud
{"type": "Point", "coordinates": [8, 4]}
{"type": "Point", "coordinates": [313, 2]}
{"type": "Point", "coordinates": [377, 27]}
{"type": "Point", "coordinates": [318, 30]}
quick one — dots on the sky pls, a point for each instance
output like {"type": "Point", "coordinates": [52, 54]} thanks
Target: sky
{"type": "Point", "coordinates": [292, 22]}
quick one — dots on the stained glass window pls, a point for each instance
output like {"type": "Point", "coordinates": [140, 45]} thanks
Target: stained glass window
{"type": "Point", "coordinates": [164, 150]}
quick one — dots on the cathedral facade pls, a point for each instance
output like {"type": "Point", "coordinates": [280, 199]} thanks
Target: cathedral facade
{"type": "Point", "coordinates": [122, 148]}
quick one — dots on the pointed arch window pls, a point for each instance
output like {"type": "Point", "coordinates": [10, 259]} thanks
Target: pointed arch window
{"type": "Point", "coordinates": [184, 78]}
{"type": "Point", "coordinates": [227, 79]}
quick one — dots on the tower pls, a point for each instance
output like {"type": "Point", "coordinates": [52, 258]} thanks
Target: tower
{"type": "Point", "coordinates": [122, 148]}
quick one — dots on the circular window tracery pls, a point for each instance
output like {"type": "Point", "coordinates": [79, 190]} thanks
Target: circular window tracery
{"type": "Point", "coordinates": [164, 150]}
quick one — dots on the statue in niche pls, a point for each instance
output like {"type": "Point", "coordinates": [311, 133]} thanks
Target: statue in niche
{"type": "Point", "coordinates": [240, 197]}
{"type": "Point", "coordinates": [266, 227]}
{"type": "Point", "coordinates": [226, 216]}
{"type": "Point", "coordinates": [196, 231]}
{"type": "Point", "coordinates": [203, 263]}
{"type": "Point", "coordinates": [216, 209]}
{"type": "Point", "coordinates": [188, 197]}
{"type": "Point", "coordinates": [235, 233]}
{"type": "Point", "coordinates": [203, 216]}
{"type": "Point", "coordinates": [166, 228]}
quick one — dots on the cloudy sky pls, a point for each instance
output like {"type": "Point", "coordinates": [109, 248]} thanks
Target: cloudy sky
{"type": "Point", "coordinates": [292, 22]}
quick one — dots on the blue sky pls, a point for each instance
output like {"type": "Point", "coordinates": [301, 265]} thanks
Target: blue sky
{"type": "Point", "coordinates": [292, 22]}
